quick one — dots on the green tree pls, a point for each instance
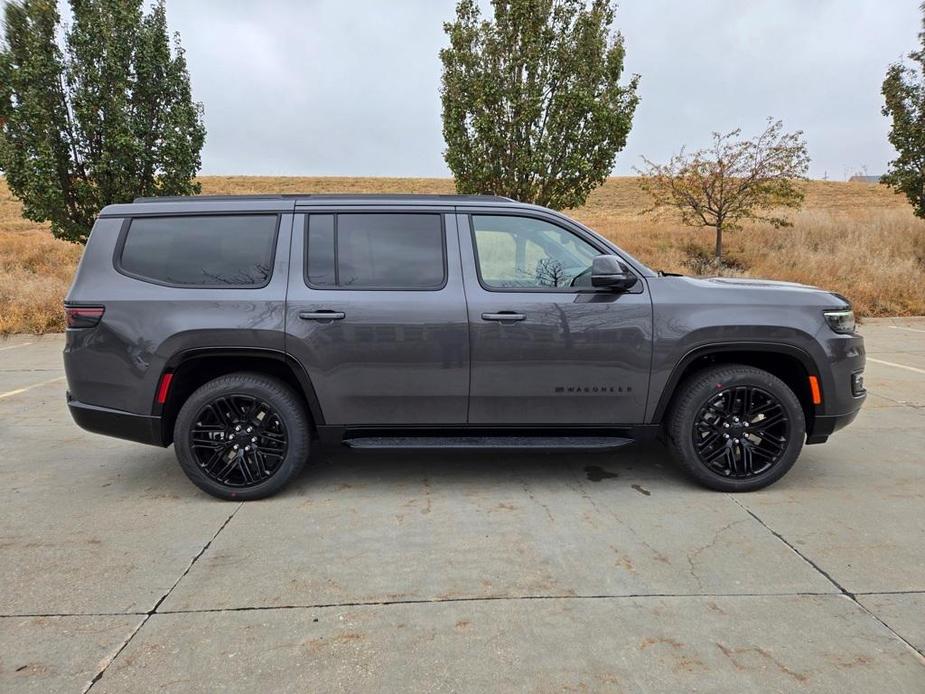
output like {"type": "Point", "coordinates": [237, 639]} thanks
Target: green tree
{"type": "Point", "coordinates": [904, 96]}
{"type": "Point", "coordinates": [104, 119]}
{"type": "Point", "coordinates": [532, 102]}
{"type": "Point", "coordinates": [733, 181]}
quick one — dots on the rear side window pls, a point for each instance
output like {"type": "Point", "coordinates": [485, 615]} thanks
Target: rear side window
{"type": "Point", "coordinates": [375, 251]}
{"type": "Point", "coordinates": [203, 251]}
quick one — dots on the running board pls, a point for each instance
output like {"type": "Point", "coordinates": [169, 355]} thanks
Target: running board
{"type": "Point", "coordinates": [490, 442]}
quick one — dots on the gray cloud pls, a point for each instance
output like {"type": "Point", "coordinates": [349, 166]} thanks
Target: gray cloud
{"type": "Point", "coordinates": [322, 87]}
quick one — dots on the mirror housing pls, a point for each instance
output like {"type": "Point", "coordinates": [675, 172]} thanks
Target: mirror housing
{"type": "Point", "coordinates": [607, 271]}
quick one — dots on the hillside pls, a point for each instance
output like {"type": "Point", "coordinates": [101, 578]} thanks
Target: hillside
{"type": "Point", "coordinates": [854, 238]}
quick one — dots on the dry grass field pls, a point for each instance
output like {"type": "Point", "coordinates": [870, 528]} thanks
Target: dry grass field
{"type": "Point", "coordinates": [858, 239]}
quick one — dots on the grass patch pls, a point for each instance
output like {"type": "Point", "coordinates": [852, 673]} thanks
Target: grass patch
{"type": "Point", "coordinates": [857, 239]}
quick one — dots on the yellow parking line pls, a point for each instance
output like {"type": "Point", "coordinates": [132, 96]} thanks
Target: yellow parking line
{"type": "Point", "coordinates": [21, 344]}
{"type": "Point", "coordinates": [11, 393]}
{"type": "Point", "coordinates": [888, 363]}
{"type": "Point", "coordinates": [903, 327]}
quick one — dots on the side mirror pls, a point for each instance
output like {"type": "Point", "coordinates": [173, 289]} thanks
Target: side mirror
{"type": "Point", "coordinates": [607, 271]}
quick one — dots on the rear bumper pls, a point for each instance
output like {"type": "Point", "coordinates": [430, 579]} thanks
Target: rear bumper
{"type": "Point", "coordinates": [121, 425]}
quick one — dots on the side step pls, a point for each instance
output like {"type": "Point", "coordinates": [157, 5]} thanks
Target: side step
{"type": "Point", "coordinates": [490, 442]}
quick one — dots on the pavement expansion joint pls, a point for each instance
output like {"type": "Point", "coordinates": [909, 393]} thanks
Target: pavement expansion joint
{"type": "Point", "coordinates": [147, 615]}
{"type": "Point", "coordinates": [437, 601]}
{"type": "Point", "coordinates": [842, 590]}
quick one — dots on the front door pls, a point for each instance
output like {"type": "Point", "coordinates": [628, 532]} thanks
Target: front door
{"type": "Point", "coordinates": [547, 348]}
{"type": "Point", "coordinates": [377, 315]}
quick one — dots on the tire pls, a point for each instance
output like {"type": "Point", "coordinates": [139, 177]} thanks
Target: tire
{"type": "Point", "coordinates": [272, 427]}
{"type": "Point", "coordinates": [753, 451]}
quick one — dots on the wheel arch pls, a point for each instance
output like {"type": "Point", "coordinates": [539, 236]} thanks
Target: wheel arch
{"type": "Point", "coordinates": [194, 367]}
{"type": "Point", "coordinates": [789, 363]}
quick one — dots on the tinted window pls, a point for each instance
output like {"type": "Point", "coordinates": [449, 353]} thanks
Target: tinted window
{"type": "Point", "coordinates": [201, 251]}
{"type": "Point", "coordinates": [320, 265]}
{"type": "Point", "coordinates": [524, 252]}
{"type": "Point", "coordinates": [375, 251]}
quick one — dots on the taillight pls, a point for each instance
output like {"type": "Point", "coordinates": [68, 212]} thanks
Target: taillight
{"type": "Point", "coordinates": [83, 316]}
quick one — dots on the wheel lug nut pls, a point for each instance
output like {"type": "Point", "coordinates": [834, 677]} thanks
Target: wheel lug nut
{"type": "Point", "coordinates": [236, 447]}
{"type": "Point", "coordinates": [726, 424]}
{"type": "Point", "coordinates": [725, 436]}
{"type": "Point", "coordinates": [253, 439]}
{"type": "Point", "coordinates": [238, 428]}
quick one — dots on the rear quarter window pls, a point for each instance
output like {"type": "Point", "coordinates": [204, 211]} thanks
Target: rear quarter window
{"type": "Point", "coordinates": [392, 250]}
{"type": "Point", "coordinates": [201, 251]}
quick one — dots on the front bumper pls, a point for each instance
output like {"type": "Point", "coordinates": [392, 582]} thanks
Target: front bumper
{"type": "Point", "coordinates": [846, 359]}
{"type": "Point", "coordinates": [826, 425]}
{"type": "Point", "coordinates": [122, 425]}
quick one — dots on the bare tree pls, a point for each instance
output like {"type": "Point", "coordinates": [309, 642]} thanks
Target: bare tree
{"type": "Point", "coordinates": [550, 273]}
{"type": "Point", "coordinates": [733, 181]}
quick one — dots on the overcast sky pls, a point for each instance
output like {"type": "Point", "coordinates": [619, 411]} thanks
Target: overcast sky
{"type": "Point", "coordinates": [337, 87]}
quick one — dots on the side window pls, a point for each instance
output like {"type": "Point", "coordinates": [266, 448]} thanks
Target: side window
{"type": "Point", "coordinates": [375, 251]}
{"type": "Point", "coordinates": [201, 251]}
{"type": "Point", "coordinates": [517, 252]}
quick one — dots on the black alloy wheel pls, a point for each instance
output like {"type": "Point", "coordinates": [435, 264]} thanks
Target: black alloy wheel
{"type": "Point", "coordinates": [242, 436]}
{"type": "Point", "coordinates": [741, 432]}
{"type": "Point", "coordinates": [735, 428]}
{"type": "Point", "coordinates": [238, 440]}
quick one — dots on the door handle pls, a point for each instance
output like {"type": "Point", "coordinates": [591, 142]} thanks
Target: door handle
{"type": "Point", "coordinates": [503, 316]}
{"type": "Point", "coordinates": [323, 314]}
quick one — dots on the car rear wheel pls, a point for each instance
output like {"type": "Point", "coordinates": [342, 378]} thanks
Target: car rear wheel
{"type": "Point", "coordinates": [736, 428]}
{"type": "Point", "coordinates": [242, 436]}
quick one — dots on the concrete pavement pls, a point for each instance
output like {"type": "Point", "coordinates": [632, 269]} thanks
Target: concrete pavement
{"type": "Point", "coordinates": [462, 572]}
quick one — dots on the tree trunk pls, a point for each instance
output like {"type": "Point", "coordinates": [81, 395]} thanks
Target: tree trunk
{"type": "Point", "coordinates": [719, 244]}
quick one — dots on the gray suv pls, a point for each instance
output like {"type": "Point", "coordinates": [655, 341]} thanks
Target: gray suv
{"type": "Point", "coordinates": [242, 328]}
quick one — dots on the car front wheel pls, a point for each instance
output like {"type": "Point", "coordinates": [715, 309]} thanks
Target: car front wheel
{"type": "Point", "coordinates": [736, 428]}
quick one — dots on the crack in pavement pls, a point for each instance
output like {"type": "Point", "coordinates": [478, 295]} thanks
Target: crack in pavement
{"type": "Point", "coordinates": [488, 598]}
{"type": "Point", "coordinates": [147, 615]}
{"type": "Point", "coordinates": [695, 553]}
{"type": "Point", "coordinates": [475, 598]}
{"type": "Point", "coordinates": [841, 589]}
{"type": "Point", "coordinates": [434, 601]}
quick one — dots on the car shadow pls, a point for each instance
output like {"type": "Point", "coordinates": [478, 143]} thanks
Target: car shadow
{"type": "Point", "coordinates": [155, 473]}
{"type": "Point", "coordinates": [648, 463]}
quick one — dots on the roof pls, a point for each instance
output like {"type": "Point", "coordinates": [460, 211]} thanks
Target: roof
{"type": "Point", "coordinates": [213, 204]}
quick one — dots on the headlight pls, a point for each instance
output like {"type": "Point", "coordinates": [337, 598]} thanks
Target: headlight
{"type": "Point", "coordinates": [840, 320]}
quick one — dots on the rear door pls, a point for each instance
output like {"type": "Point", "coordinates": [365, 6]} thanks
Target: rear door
{"type": "Point", "coordinates": [546, 347]}
{"type": "Point", "coordinates": [376, 313]}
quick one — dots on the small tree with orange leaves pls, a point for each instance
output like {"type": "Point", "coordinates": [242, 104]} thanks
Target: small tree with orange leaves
{"type": "Point", "coordinates": [733, 181]}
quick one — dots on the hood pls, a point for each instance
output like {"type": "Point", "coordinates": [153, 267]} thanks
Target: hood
{"type": "Point", "coordinates": [745, 282]}
{"type": "Point", "coordinates": [766, 290]}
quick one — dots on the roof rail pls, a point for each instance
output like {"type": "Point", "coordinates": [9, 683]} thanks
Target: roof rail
{"type": "Point", "coordinates": [329, 196]}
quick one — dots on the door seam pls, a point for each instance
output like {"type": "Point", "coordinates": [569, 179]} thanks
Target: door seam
{"type": "Point", "coordinates": [462, 277]}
